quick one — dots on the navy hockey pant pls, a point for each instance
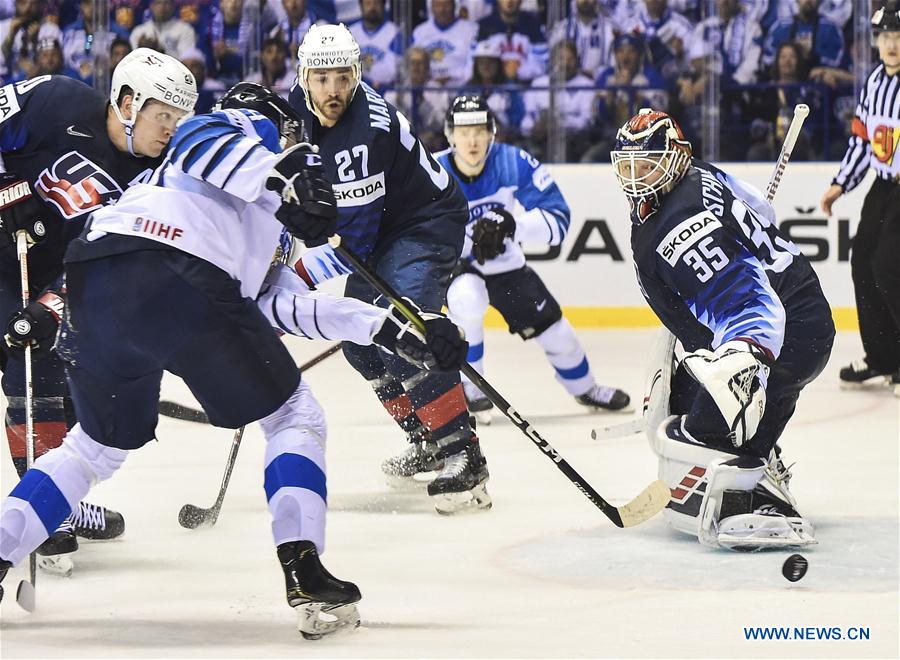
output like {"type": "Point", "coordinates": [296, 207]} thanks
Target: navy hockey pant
{"type": "Point", "coordinates": [134, 315]}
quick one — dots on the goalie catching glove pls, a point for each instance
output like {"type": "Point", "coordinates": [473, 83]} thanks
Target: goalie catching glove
{"type": "Point", "coordinates": [734, 375]}
{"type": "Point", "coordinates": [442, 348]}
{"type": "Point", "coordinates": [308, 208]}
{"type": "Point", "coordinates": [489, 234]}
{"type": "Point", "coordinates": [36, 325]}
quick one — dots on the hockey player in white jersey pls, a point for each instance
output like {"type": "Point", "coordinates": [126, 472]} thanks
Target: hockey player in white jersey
{"type": "Point", "coordinates": [512, 200]}
{"type": "Point", "coordinates": [167, 281]}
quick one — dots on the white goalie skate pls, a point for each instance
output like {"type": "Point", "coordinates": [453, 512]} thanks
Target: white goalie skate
{"type": "Point", "coordinates": [315, 620]}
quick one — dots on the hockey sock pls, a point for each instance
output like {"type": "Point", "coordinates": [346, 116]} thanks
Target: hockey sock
{"type": "Point", "coordinates": [566, 354]}
{"type": "Point", "coordinates": [467, 303]}
{"type": "Point", "coordinates": [49, 427]}
{"type": "Point", "coordinates": [395, 400]}
{"type": "Point", "coordinates": [294, 477]}
{"type": "Point", "coordinates": [50, 490]}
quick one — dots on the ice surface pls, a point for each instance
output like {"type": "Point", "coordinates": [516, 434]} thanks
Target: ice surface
{"type": "Point", "coordinates": [543, 574]}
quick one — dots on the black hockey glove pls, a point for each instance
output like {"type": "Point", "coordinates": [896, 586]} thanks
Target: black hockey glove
{"type": "Point", "coordinates": [489, 232]}
{"type": "Point", "coordinates": [36, 325]}
{"type": "Point", "coordinates": [308, 208]}
{"type": "Point", "coordinates": [442, 348]}
{"type": "Point", "coordinates": [20, 210]}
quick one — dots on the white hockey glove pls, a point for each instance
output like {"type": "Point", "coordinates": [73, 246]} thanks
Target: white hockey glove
{"type": "Point", "coordinates": [442, 347]}
{"type": "Point", "coordinates": [731, 375]}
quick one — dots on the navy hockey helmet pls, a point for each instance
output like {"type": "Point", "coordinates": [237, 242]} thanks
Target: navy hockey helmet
{"type": "Point", "coordinates": [650, 157]}
{"type": "Point", "coordinates": [886, 19]}
{"type": "Point", "coordinates": [253, 96]}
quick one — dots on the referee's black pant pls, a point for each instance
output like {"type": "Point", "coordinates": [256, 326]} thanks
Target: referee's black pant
{"type": "Point", "coordinates": [875, 266]}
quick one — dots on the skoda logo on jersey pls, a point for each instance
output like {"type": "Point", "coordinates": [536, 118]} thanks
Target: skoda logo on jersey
{"type": "Point", "coordinates": [359, 193]}
{"type": "Point", "coordinates": [76, 185]}
{"type": "Point", "coordinates": [685, 234]}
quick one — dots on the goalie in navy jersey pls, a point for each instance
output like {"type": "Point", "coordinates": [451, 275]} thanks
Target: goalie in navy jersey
{"type": "Point", "coordinates": [755, 328]}
{"type": "Point", "coordinates": [403, 215]}
{"type": "Point", "coordinates": [69, 150]}
{"type": "Point", "coordinates": [495, 178]}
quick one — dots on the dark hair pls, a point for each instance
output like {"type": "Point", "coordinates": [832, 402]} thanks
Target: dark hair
{"type": "Point", "coordinates": [119, 41]}
{"type": "Point", "coordinates": [277, 41]}
{"type": "Point", "coordinates": [125, 91]}
{"type": "Point", "coordinates": [802, 61]}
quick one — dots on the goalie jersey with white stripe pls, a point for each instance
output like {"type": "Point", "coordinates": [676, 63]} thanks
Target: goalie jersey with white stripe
{"type": "Point", "coordinates": [512, 175]}
{"type": "Point", "coordinates": [714, 267]}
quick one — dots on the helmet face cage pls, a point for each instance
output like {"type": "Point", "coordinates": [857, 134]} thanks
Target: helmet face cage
{"type": "Point", "coordinates": [469, 110]}
{"type": "Point", "coordinates": [256, 97]}
{"type": "Point", "coordinates": [327, 47]}
{"type": "Point", "coordinates": [650, 157]}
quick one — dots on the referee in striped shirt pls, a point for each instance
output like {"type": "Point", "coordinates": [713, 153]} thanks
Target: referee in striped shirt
{"type": "Point", "coordinates": [875, 260]}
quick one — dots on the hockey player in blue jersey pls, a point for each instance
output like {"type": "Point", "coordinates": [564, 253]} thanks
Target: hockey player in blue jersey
{"type": "Point", "coordinates": [497, 179]}
{"type": "Point", "coordinates": [77, 150]}
{"type": "Point", "coordinates": [179, 276]}
{"type": "Point", "coordinates": [755, 327]}
{"type": "Point", "coordinates": [403, 214]}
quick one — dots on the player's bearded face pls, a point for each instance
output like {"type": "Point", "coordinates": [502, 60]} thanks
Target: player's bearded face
{"type": "Point", "coordinates": [155, 126]}
{"type": "Point", "coordinates": [471, 143]}
{"type": "Point", "coordinates": [330, 90]}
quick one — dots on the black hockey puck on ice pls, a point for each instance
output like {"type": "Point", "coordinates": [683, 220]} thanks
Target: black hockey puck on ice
{"type": "Point", "coordinates": [794, 568]}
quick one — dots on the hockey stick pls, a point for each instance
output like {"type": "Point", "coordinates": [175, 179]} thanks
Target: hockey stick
{"type": "Point", "coordinates": [188, 414]}
{"type": "Point", "coordinates": [801, 111]}
{"type": "Point", "coordinates": [26, 595]}
{"type": "Point", "coordinates": [190, 516]}
{"type": "Point", "coordinates": [650, 502]}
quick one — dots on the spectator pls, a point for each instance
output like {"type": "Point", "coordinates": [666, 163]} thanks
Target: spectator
{"type": "Point", "coordinates": [230, 34]}
{"type": "Point", "coordinates": [79, 41]}
{"type": "Point", "coordinates": [618, 104]}
{"type": "Point", "coordinates": [488, 80]}
{"type": "Point", "coordinates": [574, 103]}
{"type": "Point", "coordinates": [118, 49]}
{"type": "Point", "coordinates": [49, 61]}
{"type": "Point", "coordinates": [520, 38]}
{"type": "Point", "coordinates": [474, 10]}
{"type": "Point", "coordinates": [209, 89]}
{"type": "Point", "coordinates": [820, 38]}
{"type": "Point", "coordinates": [448, 40]}
{"type": "Point", "coordinates": [592, 33]}
{"type": "Point", "coordinates": [380, 44]}
{"type": "Point", "coordinates": [19, 37]}
{"type": "Point", "coordinates": [125, 14]}
{"type": "Point", "coordinates": [667, 35]}
{"type": "Point", "coordinates": [293, 27]}
{"type": "Point", "coordinates": [275, 73]}
{"type": "Point", "coordinates": [771, 110]}
{"type": "Point", "coordinates": [423, 107]}
{"type": "Point", "coordinates": [174, 35]}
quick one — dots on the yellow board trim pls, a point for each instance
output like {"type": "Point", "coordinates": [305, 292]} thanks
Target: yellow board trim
{"type": "Point", "coordinates": [643, 317]}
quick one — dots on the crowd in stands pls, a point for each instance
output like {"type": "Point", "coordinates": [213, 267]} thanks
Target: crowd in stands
{"type": "Point", "coordinates": [609, 56]}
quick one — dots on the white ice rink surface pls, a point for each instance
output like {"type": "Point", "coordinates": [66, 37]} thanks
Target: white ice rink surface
{"type": "Point", "coordinates": [544, 574]}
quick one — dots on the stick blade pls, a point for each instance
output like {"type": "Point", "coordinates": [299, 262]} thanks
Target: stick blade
{"type": "Point", "coordinates": [651, 501]}
{"type": "Point", "coordinates": [192, 517]}
{"type": "Point", "coordinates": [25, 596]}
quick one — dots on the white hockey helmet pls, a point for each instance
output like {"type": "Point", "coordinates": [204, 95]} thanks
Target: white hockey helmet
{"type": "Point", "coordinates": [151, 75]}
{"type": "Point", "coordinates": [327, 47]}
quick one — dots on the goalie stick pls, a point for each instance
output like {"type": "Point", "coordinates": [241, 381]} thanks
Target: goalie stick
{"type": "Point", "coordinates": [651, 501]}
{"type": "Point", "coordinates": [801, 111]}
{"type": "Point", "coordinates": [186, 413]}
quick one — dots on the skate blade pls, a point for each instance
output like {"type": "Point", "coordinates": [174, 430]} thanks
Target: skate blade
{"type": "Point", "coordinates": [316, 620]}
{"type": "Point", "coordinates": [482, 417]}
{"type": "Point", "coordinates": [25, 596]}
{"type": "Point", "coordinates": [414, 484]}
{"type": "Point", "coordinates": [873, 383]}
{"type": "Point", "coordinates": [58, 565]}
{"type": "Point", "coordinates": [468, 501]}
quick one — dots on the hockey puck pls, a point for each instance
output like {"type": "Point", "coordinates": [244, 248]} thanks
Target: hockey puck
{"type": "Point", "coordinates": [794, 568]}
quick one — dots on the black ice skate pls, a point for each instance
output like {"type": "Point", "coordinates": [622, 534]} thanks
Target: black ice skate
{"type": "Point", "coordinates": [97, 523]}
{"type": "Point", "coordinates": [324, 604]}
{"type": "Point", "coordinates": [859, 374]}
{"type": "Point", "coordinates": [461, 485]}
{"type": "Point", "coordinates": [478, 404]}
{"type": "Point", "coordinates": [419, 458]}
{"type": "Point", "coordinates": [4, 568]}
{"type": "Point", "coordinates": [601, 397]}
{"type": "Point", "coordinates": [53, 554]}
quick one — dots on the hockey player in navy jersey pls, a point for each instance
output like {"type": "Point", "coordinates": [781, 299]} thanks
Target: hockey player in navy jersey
{"type": "Point", "coordinates": [512, 199]}
{"type": "Point", "coordinates": [755, 327]}
{"type": "Point", "coordinates": [403, 214]}
{"type": "Point", "coordinates": [179, 277]}
{"type": "Point", "coordinates": [77, 150]}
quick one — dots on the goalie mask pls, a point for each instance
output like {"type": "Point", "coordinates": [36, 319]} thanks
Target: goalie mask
{"type": "Point", "coordinates": [267, 103]}
{"type": "Point", "coordinates": [327, 47]}
{"type": "Point", "coordinates": [650, 158]}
